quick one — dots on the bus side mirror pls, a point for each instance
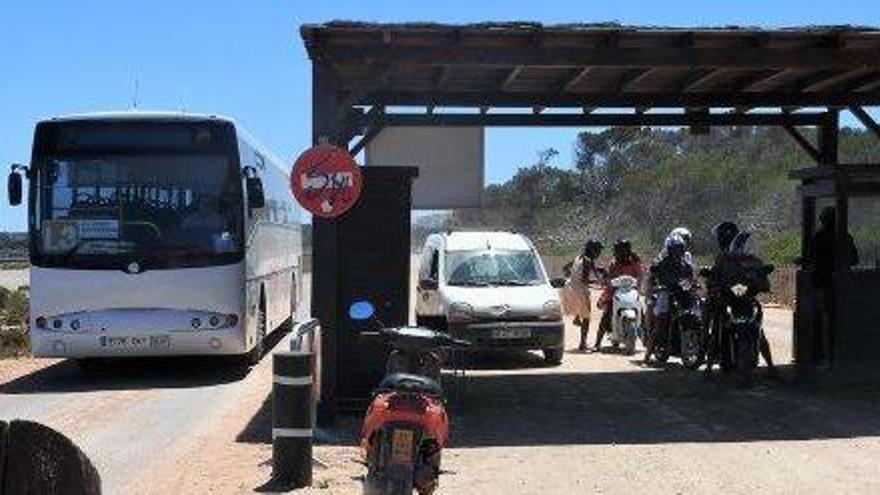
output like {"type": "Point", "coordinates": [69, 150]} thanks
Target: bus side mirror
{"type": "Point", "coordinates": [14, 187]}
{"type": "Point", "coordinates": [256, 198]}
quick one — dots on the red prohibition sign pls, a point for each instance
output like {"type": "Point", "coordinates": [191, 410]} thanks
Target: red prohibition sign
{"type": "Point", "coordinates": [326, 180]}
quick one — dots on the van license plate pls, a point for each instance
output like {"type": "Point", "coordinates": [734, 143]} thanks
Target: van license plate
{"type": "Point", "coordinates": [511, 333]}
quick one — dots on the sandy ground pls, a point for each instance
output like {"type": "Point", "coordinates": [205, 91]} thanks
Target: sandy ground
{"type": "Point", "coordinates": [597, 424]}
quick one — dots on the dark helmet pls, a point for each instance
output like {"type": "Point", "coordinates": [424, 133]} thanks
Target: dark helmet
{"type": "Point", "coordinates": [593, 248]}
{"type": "Point", "coordinates": [623, 249]}
{"type": "Point", "coordinates": [724, 233]}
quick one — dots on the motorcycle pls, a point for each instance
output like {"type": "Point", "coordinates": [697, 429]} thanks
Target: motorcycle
{"type": "Point", "coordinates": [406, 425]}
{"type": "Point", "coordinates": [684, 338]}
{"type": "Point", "coordinates": [740, 323]}
{"type": "Point", "coordinates": [627, 312]}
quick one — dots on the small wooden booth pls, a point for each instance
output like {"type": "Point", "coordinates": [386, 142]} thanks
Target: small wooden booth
{"type": "Point", "coordinates": [853, 192]}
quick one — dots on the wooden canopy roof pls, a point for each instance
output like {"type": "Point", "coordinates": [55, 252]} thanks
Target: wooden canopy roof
{"type": "Point", "coordinates": [598, 66]}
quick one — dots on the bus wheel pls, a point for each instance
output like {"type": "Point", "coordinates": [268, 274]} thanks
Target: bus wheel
{"type": "Point", "coordinates": [257, 352]}
{"type": "Point", "coordinates": [90, 366]}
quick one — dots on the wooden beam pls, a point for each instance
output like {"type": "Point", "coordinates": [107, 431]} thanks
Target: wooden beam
{"type": "Point", "coordinates": [697, 78]}
{"type": "Point", "coordinates": [637, 76]}
{"type": "Point", "coordinates": [510, 78]}
{"type": "Point", "coordinates": [576, 79]}
{"type": "Point", "coordinates": [603, 119]}
{"type": "Point", "coordinates": [869, 86]}
{"type": "Point", "coordinates": [866, 119]}
{"type": "Point", "coordinates": [442, 77]}
{"type": "Point", "coordinates": [614, 99]}
{"type": "Point", "coordinates": [803, 142]}
{"type": "Point", "coordinates": [611, 56]}
{"type": "Point", "coordinates": [837, 80]}
{"type": "Point", "coordinates": [629, 77]}
{"type": "Point", "coordinates": [769, 80]}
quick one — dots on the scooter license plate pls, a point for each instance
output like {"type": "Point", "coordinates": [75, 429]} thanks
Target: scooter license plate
{"type": "Point", "coordinates": [402, 447]}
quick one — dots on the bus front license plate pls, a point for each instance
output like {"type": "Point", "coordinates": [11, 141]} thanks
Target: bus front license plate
{"type": "Point", "coordinates": [160, 342]}
{"type": "Point", "coordinates": [402, 447]}
{"type": "Point", "coordinates": [511, 333]}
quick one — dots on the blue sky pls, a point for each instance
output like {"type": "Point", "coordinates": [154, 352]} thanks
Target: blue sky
{"type": "Point", "coordinates": [245, 59]}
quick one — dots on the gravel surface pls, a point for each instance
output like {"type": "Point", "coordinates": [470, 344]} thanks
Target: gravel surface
{"type": "Point", "coordinates": [597, 424]}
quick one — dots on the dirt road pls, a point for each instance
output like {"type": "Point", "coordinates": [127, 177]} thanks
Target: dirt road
{"type": "Point", "coordinates": [596, 424]}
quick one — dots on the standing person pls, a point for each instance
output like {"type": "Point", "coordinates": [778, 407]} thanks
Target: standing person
{"type": "Point", "coordinates": [584, 269]}
{"type": "Point", "coordinates": [822, 257]}
{"type": "Point", "coordinates": [626, 262]}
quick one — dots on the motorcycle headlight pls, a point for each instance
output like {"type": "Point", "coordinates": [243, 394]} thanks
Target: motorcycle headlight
{"type": "Point", "coordinates": [460, 312]}
{"type": "Point", "coordinates": [739, 290]}
{"type": "Point", "coordinates": [552, 311]}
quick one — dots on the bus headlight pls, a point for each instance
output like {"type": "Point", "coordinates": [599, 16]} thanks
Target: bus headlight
{"type": "Point", "coordinates": [231, 320]}
{"type": "Point", "coordinates": [40, 322]}
{"type": "Point", "coordinates": [75, 325]}
{"type": "Point", "coordinates": [214, 320]}
{"type": "Point", "coordinates": [196, 322]}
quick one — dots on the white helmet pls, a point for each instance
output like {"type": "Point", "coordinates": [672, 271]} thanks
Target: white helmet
{"type": "Point", "coordinates": [684, 233]}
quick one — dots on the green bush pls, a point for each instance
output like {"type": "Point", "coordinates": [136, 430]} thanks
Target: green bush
{"type": "Point", "coordinates": [13, 342]}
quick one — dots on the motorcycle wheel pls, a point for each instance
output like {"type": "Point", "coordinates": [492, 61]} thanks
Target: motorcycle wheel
{"type": "Point", "coordinates": [692, 354]}
{"type": "Point", "coordinates": [661, 353]}
{"type": "Point", "coordinates": [745, 359]}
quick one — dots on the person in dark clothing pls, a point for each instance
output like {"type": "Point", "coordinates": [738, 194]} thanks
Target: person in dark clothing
{"type": "Point", "coordinates": [823, 258]}
{"type": "Point", "coordinates": [667, 272]}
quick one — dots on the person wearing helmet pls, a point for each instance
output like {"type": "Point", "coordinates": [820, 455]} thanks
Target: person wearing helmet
{"type": "Point", "coordinates": [626, 262]}
{"type": "Point", "coordinates": [667, 272]}
{"type": "Point", "coordinates": [736, 255]}
{"type": "Point", "coordinates": [685, 235]}
{"type": "Point", "coordinates": [576, 294]}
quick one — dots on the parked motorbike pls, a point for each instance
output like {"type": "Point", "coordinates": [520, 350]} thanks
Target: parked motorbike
{"type": "Point", "coordinates": [627, 312]}
{"type": "Point", "coordinates": [740, 324]}
{"type": "Point", "coordinates": [684, 338]}
{"type": "Point", "coordinates": [406, 426]}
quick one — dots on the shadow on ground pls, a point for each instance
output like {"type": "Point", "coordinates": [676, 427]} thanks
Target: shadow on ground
{"type": "Point", "coordinates": [643, 406]}
{"type": "Point", "coordinates": [136, 373]}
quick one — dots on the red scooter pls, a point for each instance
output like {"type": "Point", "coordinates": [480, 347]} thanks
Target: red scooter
{"type": "Point", "coordinates": [406, 426]}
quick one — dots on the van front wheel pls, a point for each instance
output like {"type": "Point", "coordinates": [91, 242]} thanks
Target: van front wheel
{"type": "Point", "coordinates": [553, 356]}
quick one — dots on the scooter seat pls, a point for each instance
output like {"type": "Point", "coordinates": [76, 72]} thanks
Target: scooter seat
{"type": "Point", "coordinates": [406, 382]}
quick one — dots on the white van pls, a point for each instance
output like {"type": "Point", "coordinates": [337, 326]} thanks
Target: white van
{"type": "Point", "coordinates": [491, 289]}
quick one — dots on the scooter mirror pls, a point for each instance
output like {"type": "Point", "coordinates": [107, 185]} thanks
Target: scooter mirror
{"type": "Point", "coordinates": [361, 310]}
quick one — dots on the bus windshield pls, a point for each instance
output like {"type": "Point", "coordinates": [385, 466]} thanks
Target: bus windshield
{"type": "Point", "coordinates": [492, 267]}
{"type": "Point", "coordinates": [144, 205]}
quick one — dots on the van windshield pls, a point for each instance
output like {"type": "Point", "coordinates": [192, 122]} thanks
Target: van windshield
{"type": "Point", "coordinates": [480, 268]}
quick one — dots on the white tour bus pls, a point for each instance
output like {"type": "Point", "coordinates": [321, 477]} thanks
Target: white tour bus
{"type": "Point", "coordinates": [156, 234]}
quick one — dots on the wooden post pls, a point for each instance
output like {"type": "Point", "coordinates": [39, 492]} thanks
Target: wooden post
{"type": "Point", "coordinates": [326, 128]}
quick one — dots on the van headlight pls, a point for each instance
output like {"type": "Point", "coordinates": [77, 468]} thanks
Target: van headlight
{"type": "Point", "coordinates": [739, 290]}
{"type": "Point", "coordinates": [552, 311]}
{"type": "Point", "coordinates": [460, 312]}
